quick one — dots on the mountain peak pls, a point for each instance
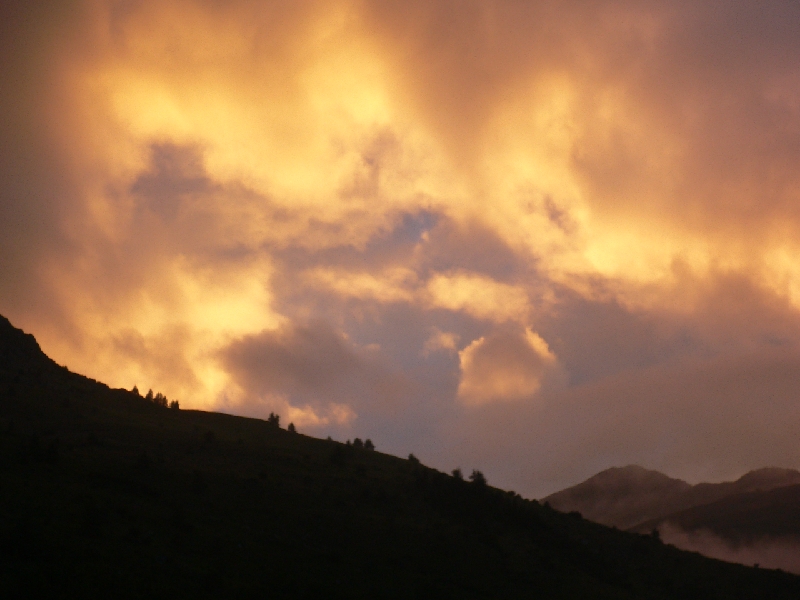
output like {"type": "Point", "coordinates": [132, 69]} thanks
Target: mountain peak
{"type": "Point", "coordinates": [620, 496]}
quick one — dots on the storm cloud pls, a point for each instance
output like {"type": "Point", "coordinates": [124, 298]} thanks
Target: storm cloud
{"type": "Point", "coordinates": [536, 238]}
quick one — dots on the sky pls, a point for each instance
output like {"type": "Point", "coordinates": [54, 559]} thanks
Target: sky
{"type": "Point", "coordinates": [537, 239]}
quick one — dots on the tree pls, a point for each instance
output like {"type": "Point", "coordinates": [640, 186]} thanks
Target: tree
{"type": "Point", "coordinates": [274, 420]}
{"type": "Point", "coordinates": [291, 428]}
{"type": "Point", "coordinates": [149, 396]}
{"type": "Point", "coordinates": [135, 390]}
{"type": "Point", "coordinates": [160, 400]}
{"type": "Point", "coordinates": [413, 459]}
{"type": "Point", "coordinates": [458, 474]}
{"type": "Point", "coordinates": [477, 478]}
{"type": "Point", "coordinates": [357, 443]}
{"type": "Point", "coordinates": [174, 405]}
{"type": "Point", "coordinates": [368, 445]}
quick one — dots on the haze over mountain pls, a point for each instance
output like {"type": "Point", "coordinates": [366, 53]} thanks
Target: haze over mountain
{"type": "Point", "coordinates": [108, 494]}
{"type": "Point", "coordinates": [755, 519]}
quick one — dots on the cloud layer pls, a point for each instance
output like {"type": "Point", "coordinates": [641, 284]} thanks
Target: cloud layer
{"type": "Point", "coordinates": [534, 238]}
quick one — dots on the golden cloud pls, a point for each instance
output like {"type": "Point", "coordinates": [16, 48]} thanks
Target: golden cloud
{"type": "Point", "coordinates": [216, 172]}
{"type": "Point", "coordinates": [503, 367]}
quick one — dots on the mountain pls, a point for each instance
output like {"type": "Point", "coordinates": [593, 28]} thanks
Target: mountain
{"type": "Point", "coordinates": [755, 519]}
{"type": "Point", "coordinates": [628, 496]}
{"type": "Point", "coordinates": [743, 518]}
{"type": "Point", "coordinates": [107, 494]}
{"type": "Point", "coordinates": [622, 496]}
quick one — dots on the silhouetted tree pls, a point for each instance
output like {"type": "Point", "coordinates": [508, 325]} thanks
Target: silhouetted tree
{"type": "Point", "coordinates": [357, 443]}
{"type": "Point", "coordinates": [458, 474]}
{"type": "Point", "coordinates": [477, 477]}
{"type": "Point", "coordinates": [160, 400]}
{"type": "Point", "coordinates": [274, 420]}
{"type": "Point", "coordinates": [368, 445]}
{"type": "Point", "coordinates": [149, 396]}
{"type": "Point", "coordinates": [135, 390]}
{"type": "Point", "coordinates": [413, 459]}
{"type": "Point", "coordinates": [291, 428]}
{"type": "Point", "coordinates": [174, 405]}
{"type": "Point", "coordinates": [656, 535]}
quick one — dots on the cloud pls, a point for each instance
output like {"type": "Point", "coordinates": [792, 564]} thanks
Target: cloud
{"type": "Point", "coordinates": [312, 206]}
{"type": "Point", "coordinates": [503, 366]}
{"type": "Point", "coordinates": [766, 553]}
{"type": "Point", "coordinates": [440, 340]}
{"type": "Point", "coordinates": [312, 371]}
{"type": "Point", "coordinates": [478, 296]}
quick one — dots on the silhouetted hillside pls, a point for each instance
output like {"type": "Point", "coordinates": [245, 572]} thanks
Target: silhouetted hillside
{"type": "Point", "coordinates": [629, 496]}
{"type": "Point", "coordinates": [106, 494]}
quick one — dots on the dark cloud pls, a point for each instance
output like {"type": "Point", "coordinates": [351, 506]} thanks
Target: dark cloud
{"type": "Point", "coordinates": [312, 363]}
{"type": "Point", "coordinates": [176, 174]}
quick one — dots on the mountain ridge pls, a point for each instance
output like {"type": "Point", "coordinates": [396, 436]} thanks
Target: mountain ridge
{"type": "Point", "coordinates": [626, 497]}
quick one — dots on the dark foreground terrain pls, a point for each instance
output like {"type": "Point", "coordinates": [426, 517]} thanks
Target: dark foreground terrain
{"type": "Point", "coordinates": [106, 494]}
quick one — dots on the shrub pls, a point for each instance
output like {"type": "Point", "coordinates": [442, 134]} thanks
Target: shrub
{"type": "Point", "coordinates": [368, 445]}
{"type": "Point", "coordinates": [413, 459]}
{"type": "Point", "coordinates": [458, 474]}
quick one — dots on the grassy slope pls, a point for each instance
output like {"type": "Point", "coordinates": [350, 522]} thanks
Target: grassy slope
{"type": "Point", "coordinates": [104, 494]}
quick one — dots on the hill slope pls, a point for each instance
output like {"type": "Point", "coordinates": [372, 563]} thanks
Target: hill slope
{"type": "Point", "coordinates": [108, 495]}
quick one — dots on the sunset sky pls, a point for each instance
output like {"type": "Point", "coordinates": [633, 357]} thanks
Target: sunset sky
{"type": "Point", "coordinates": [539, 239]}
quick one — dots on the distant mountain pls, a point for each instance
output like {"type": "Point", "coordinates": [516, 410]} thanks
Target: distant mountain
{"type": "Point", "coordinates": [755, 519]}
{"type": "Point", "coordinates": [752, 527]}
{"type": "Point", "coordinates": [623, 496]}
{"type": "Point", "coordinates": [104, 494]}
{"type": "Point", "coordinates": [742, 518]}
{"type": "Point", "coordinates": [629, 496]}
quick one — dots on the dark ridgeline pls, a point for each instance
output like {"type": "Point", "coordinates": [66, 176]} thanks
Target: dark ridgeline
{"type": "Point", "coordinates": [106, 494]}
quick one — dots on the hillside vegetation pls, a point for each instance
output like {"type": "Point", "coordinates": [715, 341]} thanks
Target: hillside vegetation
{"type": "Point", "coordinates": [107, 494]}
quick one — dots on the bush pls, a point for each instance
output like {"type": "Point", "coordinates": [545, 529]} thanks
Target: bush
{"type": "Point", "coordinates": [368, 445]}
{"type": "Point", "coordinates": [413, 459]}
{"type": "Point", "coordinates": [458, 474]}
